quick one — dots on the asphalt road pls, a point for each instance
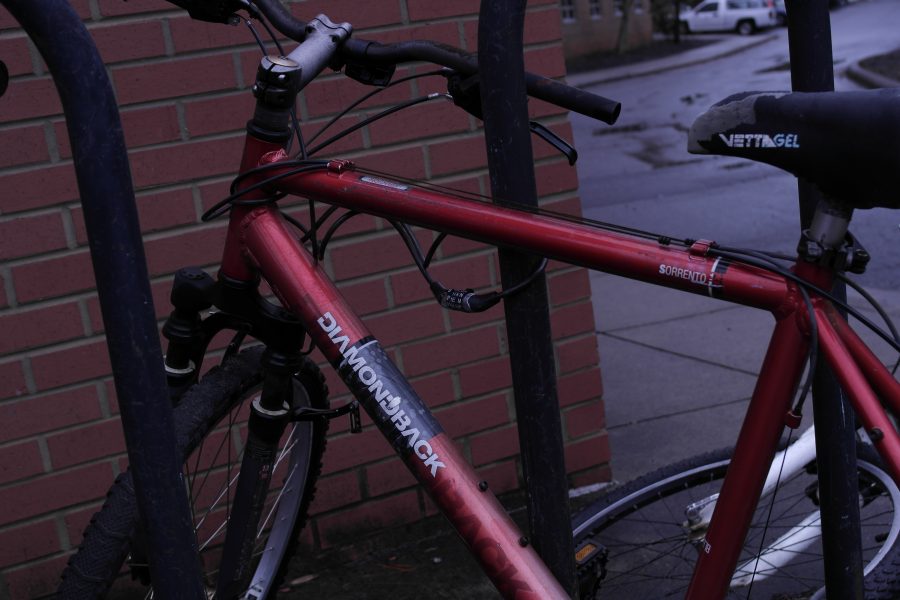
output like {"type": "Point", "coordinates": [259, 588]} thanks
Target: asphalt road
{"type": "Point", "coordinates": [639, 173]}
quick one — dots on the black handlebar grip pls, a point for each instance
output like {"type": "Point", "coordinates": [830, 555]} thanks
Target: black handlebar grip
{"type": "Point", "coordinates": [574, 99]}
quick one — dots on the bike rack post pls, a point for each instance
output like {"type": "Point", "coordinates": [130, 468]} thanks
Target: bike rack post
{"type": "Point", "coordinates": [812, 70]}
{"type": "Point", "coordinates": [123, 285]}
{"type": "Point", "coordinates": [503, 97]}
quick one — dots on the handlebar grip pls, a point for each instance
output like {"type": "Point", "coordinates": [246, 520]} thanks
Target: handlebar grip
{"type": "Point", "coordinates": [572, 98]}
{"type": "Point", "coordinates": [542, 88]}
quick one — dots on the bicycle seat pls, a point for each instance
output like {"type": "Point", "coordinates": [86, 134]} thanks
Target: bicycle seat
{"type": "Point", "coordinates": [846, 143]}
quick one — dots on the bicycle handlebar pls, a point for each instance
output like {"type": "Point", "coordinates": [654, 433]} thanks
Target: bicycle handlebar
{"type": "Point", "coordinates": [377, 54]}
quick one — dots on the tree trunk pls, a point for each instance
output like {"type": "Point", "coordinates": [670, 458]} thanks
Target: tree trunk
{"type": "Point", "coordinates": [622, 43]}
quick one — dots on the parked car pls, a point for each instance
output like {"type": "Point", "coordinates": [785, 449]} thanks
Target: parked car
{"type": "Point", "coordinates": [743, 16]}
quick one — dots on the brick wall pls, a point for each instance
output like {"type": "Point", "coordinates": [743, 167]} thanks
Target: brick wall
{"type": "Point", "coordinates": [183, 88]}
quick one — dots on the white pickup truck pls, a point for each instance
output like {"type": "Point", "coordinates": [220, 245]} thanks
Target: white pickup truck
{"type": "Point", "coordinates": [742, 16]}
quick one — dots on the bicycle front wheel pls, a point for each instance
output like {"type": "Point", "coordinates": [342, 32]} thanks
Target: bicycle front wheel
{"type": "Point", "coordinates": [210, 423]}
{"type": "Point", "coordinates": [641, 540]}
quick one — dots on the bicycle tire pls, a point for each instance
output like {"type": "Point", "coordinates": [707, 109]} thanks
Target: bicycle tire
{"type": "Point", "coordinates": [109, 538]}
{"type": "Point", "coordinates": [652, 510]}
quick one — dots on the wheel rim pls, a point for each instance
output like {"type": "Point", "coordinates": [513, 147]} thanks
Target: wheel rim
{"type": "Point", "coordinates": [285, 494]}
{"type": "Point", "coordinates": [651, 552]}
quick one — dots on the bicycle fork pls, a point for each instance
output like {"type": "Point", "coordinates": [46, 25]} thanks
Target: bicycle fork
{"type": "Point", "coordinates": [269, 415]}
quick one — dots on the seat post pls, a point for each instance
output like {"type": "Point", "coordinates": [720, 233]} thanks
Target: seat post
{"type": "Point", "coordinates": [829, 224]}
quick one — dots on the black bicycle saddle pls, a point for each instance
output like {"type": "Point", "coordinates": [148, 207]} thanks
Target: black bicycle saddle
{"type": "Point", "coordinates": [846, 143]}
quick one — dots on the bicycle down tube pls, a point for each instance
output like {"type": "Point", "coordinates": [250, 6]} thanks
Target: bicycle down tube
{"type": "Point", "coordinates": [259, 237]}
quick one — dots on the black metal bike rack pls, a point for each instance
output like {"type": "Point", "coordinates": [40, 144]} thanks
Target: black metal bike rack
{"type": "Point", "coordinates": [123, 286]}
{"type": "Point", "coordinates": [812, 70]}
{"type": "Point", "coordinates": [501, 67]}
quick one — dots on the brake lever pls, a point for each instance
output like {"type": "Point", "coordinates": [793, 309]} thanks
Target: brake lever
{"type": "Point", "coordinates": [554, 140]}
{"type": "Point", "coordinates": [466, 95]}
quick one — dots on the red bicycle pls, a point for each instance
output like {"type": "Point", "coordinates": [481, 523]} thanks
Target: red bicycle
{"type": "Point", "coordinates": [250, 505]}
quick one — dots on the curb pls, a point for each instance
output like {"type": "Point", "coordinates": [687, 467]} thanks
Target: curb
{"type": "Point", "coordinates": [668, 64]}
{"type": "Point", "coordinates": [868, 78]}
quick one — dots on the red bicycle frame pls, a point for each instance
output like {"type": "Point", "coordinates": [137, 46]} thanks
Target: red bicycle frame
{"type": "Point", "coordinates": [260, 242]}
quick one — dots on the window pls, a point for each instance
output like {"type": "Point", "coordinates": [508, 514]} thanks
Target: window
{"type": "Point", "coordinates": [708, 8]}
{"type": "Point", "coordinates": [567, 9]}
{"type": "Point", "coordinates": [595, 9]}
{"type": "Point", "coordinates": [638, 6]}
{"type": "Point", "coordinates": [619, 7]}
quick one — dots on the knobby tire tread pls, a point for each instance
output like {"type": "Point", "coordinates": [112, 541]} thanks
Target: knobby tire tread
{"type": "Point", "coordinates": [94, 567]}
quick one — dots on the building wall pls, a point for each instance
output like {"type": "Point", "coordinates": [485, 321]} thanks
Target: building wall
{"type": "Point", "coordinates": [590, 26]}
{"type": "Point", "coordinates": [183, 88]}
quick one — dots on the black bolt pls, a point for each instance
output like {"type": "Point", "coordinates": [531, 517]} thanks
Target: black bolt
{"type": "Point", "coordinates": [876, 434]}
{"type": "Point", "coordinates": [523, 541]}
{"type": "Point", "coordinates": [483, 485]}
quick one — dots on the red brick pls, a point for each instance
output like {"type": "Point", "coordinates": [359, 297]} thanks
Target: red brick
{"type": "Point", "coordinates": [84, 444]}
{"type": "Point", "coordinates": [173, 78]}
{"type": "Point", "coordinates": [450, 350]}
{"type": "Point", "coordinates": [366, 297]}
{"type": "Point", "coordinates": [16, 54]}
{"type": "Point", "coordinates": [468, 272]}
{"type": "Point", "coordinates": [587, 453]}
{"type": "Point", "coordinates": [404, 325]}
{"type": "Point", "coordinates": [428, 120]}
{"type": "Point", "coordinates": [26, 543]}
{"type": "Point", "coordinates": [387, 251]}
{"type": "Point", "coordinates": [388, 476]}
{"type": "Point", "coordinates": [406, 162]}
{"type": "Point", "coordinates": [421, 10]}
{"type": "Point", "coordinates": [23, 146]}
{"type": "Point", "coordinates": [4, 302]}
{"type": "Point", "coordinates": [186, 161]}
{"type": "Point", "coordinates": [39, 327]}
{"type": "Point", "coordinates": [35, 580]}
{"type": "Point", "coordinates": [543, 26]}
{"type": "Point", "coordinates": [130, 40]}
{"type": "Point", "coordinates": [502, 477]}
{"type": "Point", "coordinates": [436, 389]}
{"type": "Point", "coordinates": [569, 287]}
{"type": "Point", "coordinates": [197, 247]}
{"type": "Point", "coordinates": [31, 415]}
{"type": "Point", "coordinates": [486, 376]}
{"type": "Point", "coordinates": [329, 96]}
{"type": "Point", "coordinates": [35, 188]}
{"type": "Point", "coordinates": [52, 277]}
{"type": "Point", "coordinates": [30, 98]}
{"type": "Point", "coordinates": [335, 491]}
{"type": "Point", "coordinates": [219, 114]}
{"type": "Point", "coordinates": [29, 235]}
{"type": "Point", "coordinates": [19, 461]}
{"type": "Point", "coordinates": [345, 144]}
{"type": "Point", "coordinates": [375, 514]}
{"type": "Point", "coordinates": [453, 156]}
{"type": "Point", "coordinates": [478, 415]}
{"type": "Point", "coordinates": [578, 387]}
{"type": "Point", "coordinates": [79, 363]}
{"type": "Point", "coordinates": [585, 419]}
{"type": "Point", "coordinates": [54, 491]}
{"type": "Point", "coordinates": [572, 319]}
{"type": "Point", "coordinates": [115, 8]}
{"type": "Point", "coordinates": [578, 353]}
{"type": "Point", "coordinates": [445, 33]}
{"type": "Point", "coordinates": [360, 14]}
{"type": "Point", "coordinates": [555, 178]}
{"type": "Point", "coordinates": [494, 445]}
{"type": "Point", "coordinates": [189, 35]}
{"type": "Point", "coordinates": [355, 449]}
{"type": "Point", "coordinates": [12, 380]}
